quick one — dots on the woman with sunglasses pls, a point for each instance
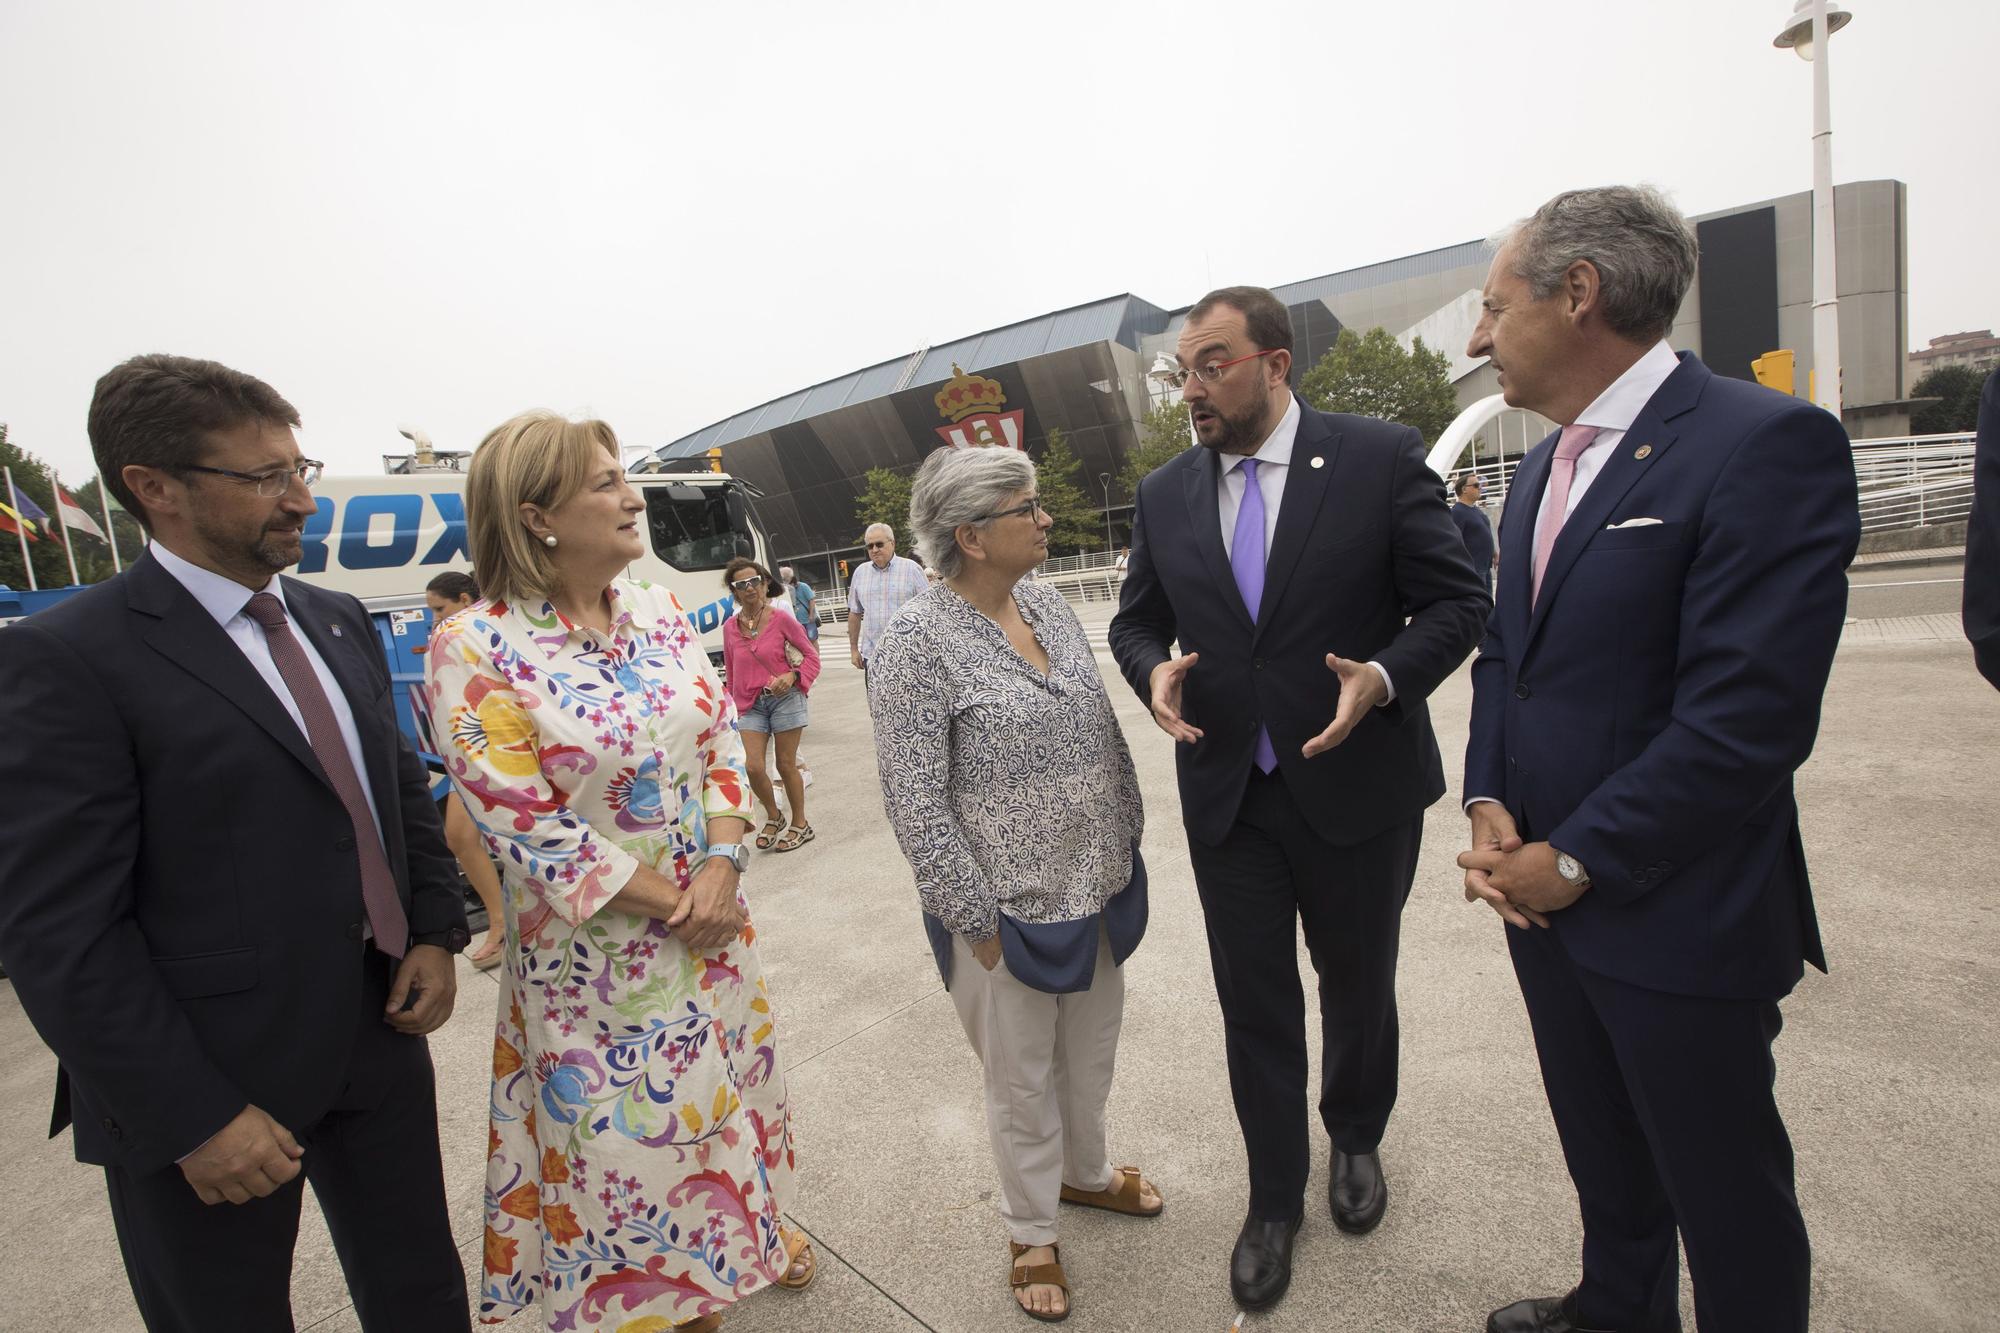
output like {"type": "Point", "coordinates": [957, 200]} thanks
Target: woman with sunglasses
{"type": "Point", "coordinates": [1010, 788]}
{"type": "Point", "coordinates": [771, 664]}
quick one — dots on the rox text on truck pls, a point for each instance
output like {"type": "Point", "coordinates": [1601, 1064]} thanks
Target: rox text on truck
{"type": "Point", "coordinates": [383, 538]}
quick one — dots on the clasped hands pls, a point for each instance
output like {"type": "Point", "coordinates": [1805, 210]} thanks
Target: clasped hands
{"type": "Point", "coordinates": [1516, 879]}
{"type": "Point", "coordinates": [1361, 688]}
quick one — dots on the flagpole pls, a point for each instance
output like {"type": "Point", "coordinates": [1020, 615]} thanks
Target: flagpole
{"type": "Point", "coordinates": [21, 529]}
{"type": "Point", "coordinates": [68, 542]}
{"type": "Point", "coordinates": [110, 528]}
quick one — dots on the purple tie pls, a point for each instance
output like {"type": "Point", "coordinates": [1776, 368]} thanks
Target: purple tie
{"type": "Point", "coordinates": [1246, 561]}
{"type": "Point", "coordinates": [378, 884]}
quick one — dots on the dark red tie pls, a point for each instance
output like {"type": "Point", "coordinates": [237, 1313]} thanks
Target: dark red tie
{"type": "Point", "coordinates": [378, 885]}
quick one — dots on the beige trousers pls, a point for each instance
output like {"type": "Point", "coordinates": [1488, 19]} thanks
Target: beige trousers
{"type": "Point", "coordinates": [1048, 1061]}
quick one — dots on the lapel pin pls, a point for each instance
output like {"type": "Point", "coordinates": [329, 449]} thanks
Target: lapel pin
{"type": "Point", "coordinates": [1642, 451]}
{"type": "Point", "coordinates": [335, 629]}
{"type": "Point", "coordinates": [1318, 461]}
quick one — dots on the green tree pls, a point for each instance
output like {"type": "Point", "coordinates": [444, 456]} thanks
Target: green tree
{"type": "Point", "coordinates": [1078, 524]}
{"type": "Point", "coordinates": [886, 499]}
{"type": "Point", "coordinates": [1958, 387]}
{"type": "Point", "coordinates": [1162, 436]}
{"type": "Point", "coordinates": [32, 480]}
{"type": "Point", "coordinates": [1370, 374]}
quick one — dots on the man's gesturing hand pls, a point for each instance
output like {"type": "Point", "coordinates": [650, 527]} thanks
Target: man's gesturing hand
{"type": "Point", "coordinates": [250, 1157]}
{"type": "Point", "coordinates": [1166, 682]}
{"type": "Point", "coordinates": [1361, 689]}
{"type": "Point", "coordinates": [1493, 831]}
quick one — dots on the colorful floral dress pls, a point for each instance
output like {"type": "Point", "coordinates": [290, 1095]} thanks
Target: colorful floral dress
{"type": "Point", "coordinates": [640, 1150]}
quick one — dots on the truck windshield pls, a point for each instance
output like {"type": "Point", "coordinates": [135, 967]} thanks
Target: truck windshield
{"type": "Point", "coordinates": [698, 527]}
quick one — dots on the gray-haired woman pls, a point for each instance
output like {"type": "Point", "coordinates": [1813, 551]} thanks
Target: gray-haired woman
{"type": "Point", "coordinates": [1008, 783]}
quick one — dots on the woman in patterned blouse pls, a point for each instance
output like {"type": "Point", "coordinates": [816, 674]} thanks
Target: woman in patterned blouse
{"type": "Point", "coordinates": [1008, 783]}
{"type": "Point", "coordinates": [640, 1151]}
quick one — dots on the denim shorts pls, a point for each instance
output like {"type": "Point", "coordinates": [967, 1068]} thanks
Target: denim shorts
{"type": "Point", "coordinates": [774, 713]}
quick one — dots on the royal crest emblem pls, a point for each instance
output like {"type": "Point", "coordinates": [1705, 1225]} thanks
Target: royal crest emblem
{"type": "Point", "coordinates": [972, 403]}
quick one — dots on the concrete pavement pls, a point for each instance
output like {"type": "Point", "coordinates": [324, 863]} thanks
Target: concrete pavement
{"type": "Point", "coordinates": [1887, 1073]}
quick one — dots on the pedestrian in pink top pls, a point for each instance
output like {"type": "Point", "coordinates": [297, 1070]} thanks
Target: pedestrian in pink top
{"type": "Point", "coordinates": [771, 666]}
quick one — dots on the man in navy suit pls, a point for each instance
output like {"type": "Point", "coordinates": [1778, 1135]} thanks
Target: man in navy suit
{"type": "Point", "coordinates": [1672, 589]}
{"type": "Point", "coordinates": [225, 896]}
{"type": "Point", "coordinates": [1982, 538]}
{"type": "Point", "coordinates": [1308, 566]}
{"type": "Point", "coordinates": [1475, 527]}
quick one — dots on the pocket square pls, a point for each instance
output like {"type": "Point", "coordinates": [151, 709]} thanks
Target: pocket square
{"type": "Point", "coordinates": [1634, 523]}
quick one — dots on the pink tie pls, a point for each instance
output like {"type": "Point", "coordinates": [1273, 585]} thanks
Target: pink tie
{"type": "Point", "coordinates": [1575, 439]}
{"type": "Point", "coordinates": [378, 883]}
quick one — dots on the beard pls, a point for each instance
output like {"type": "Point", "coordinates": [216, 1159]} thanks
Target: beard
{"type": "Point", "coordinates": [275, 548]}
{"type": "Point", "coordinates": [1238, 434]}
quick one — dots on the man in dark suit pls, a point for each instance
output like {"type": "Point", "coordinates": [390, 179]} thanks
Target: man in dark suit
{"type": "Point", "coordinates": [1307, 564]}
{"type": "Point", "coordinates": [1673, 584]}
{"type": "Point", "coordinates": [1475, 527]}
{"type": "Point", "coordinates": [1982, 538]}
{"type": "Point", "coordinates": [225, 896]}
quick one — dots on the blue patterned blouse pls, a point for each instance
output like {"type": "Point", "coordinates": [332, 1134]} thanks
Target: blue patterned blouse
{"type": "Point", "coordinates": [1012, 793]}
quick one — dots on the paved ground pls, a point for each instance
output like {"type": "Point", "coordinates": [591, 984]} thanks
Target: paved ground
{"type": "Point", "coordinates": [1887, 1072]}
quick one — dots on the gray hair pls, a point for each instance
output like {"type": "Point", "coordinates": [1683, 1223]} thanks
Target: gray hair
{"type": "Point", "coordinates": [1642, 248]}
{"type": "Point", "coordinates": [955, 487]}
{"type": "Point", "coordinates": [874, 528]}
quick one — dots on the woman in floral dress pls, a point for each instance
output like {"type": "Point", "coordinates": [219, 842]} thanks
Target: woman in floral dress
{"type": "Point", "coordinates": [640, 1152]}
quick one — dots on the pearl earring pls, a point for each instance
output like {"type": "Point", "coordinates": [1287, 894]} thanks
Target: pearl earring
{"type": "Point", "coordinates": [549, 540]}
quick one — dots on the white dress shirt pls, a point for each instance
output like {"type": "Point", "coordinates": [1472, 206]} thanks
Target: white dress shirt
{"type": "Point", "coordinates": [1612, 413]}
{"type": "Point", "coordinates": [225, 599]}
{"type": "Point", "coordinates": [1274, 460]}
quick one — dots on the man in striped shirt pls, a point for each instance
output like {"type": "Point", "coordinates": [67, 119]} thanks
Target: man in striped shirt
{"type": "Point", "coordinates": [879, 587]}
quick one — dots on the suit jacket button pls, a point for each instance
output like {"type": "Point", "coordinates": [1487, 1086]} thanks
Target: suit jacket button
{"type": "Point", "coordinates": [1259, 663]}
{"type": "Point", "coordinates": [354, 930]}
{"type": "Point", "coordinates": [111, 1128]}
{"type": "Point", "coordinates": [1522, 691]}
{"type": "Point", "coordinates": [344, 845]}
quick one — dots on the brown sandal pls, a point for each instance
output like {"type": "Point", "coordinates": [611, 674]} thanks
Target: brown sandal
{"type": "Point", "coordinates": [798, 1249]}
{"type": "Point", "coordinates": [769, 833]}
{"type": "Point", "coordinates": [708, 1323]}
{"type": "Point", "coordinates": [797, 836]}
{"type": "Point", "coordinates": [1125, 1196]}
{"type": "Point", "coordinates": [1039, 1275]}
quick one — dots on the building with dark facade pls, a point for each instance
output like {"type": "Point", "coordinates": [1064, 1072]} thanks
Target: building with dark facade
{"type": "Point", "coordinates": [1084, 370]}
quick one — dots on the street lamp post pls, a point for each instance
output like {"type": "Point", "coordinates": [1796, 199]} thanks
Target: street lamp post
{"type": "Point", "coordinates": [1105, 478]}
{"type": "Point", "coordinates": [1813, 22]}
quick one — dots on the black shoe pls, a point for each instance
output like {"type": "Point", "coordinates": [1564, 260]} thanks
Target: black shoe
{"type": "Point", "coordinates": [1261, 1267]}
{"type": "Point", "coordinates": [1358, 1195]}
{"type": "Point", "coordinates": [1545, 1314]}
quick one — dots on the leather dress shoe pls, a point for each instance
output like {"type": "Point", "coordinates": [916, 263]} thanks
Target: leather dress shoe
{"type": "Point", "coordinates": [1544, 1314]}
{"type": "Point", "coordinates": [1358, 1195]}
{"type": "Point", "coordinates": [1261, 1267]}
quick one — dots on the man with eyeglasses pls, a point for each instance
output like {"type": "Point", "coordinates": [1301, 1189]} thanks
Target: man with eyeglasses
{"type": "Point", "coordinates": [1308, 566]}
{"type": "Point", "coordinates": [225, 895]}
{"type": "Point", "coordinates": [877, 589]}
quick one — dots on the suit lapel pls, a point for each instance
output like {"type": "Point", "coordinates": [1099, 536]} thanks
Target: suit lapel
{"type": "Point", "coordinates": [1300, 504]}
{"type": "Point", "coordinates": [1517, 538]}
{"type": "Point", "coordinates": [1641, 450]}
{"type": "Point", "coordinates": [185, 634]}
{"type": "Point", "coordinates": [316, 621]}
{"type": "Point", "coordinates": [1199, 486]}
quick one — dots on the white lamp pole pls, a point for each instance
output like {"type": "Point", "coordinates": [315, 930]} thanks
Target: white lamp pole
{"type": "Point", "coordinates": [1813, 22]}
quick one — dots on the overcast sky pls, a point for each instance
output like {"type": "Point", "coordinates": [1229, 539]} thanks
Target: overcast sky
{"type": "Point", "coordinates": [439, 213]}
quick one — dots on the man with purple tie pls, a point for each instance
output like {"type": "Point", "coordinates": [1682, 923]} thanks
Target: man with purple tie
{"type": "Point", "coordinates": [1307, 565]}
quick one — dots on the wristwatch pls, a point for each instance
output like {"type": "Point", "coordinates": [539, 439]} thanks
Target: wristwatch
{"type": "Point", "coordinates": [1572, 871]}
{"type": "Point", "coordinates": [733, 852]}
{"type": "Point", "coordinates": [451, 941]}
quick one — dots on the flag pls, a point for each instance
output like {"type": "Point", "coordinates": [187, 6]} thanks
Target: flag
{"type": "Point", "coordinates": [10, 521]}
{"type": "Point", "coordinates": [30, 508]}
{"type": "Point", "coordinates": [74, 515]}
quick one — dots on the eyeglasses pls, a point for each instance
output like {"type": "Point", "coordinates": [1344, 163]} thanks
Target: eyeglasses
{"type": "Point", "coordinates": [1178, 377]}
{"type": "Point", "coordinates": [1031, 507]}
{"type": "Point", "coordinates": [272, 484]}
{"type": "Point", "coordinates": [746, 583]}
{"type": "Point", "coordinates": [875, 546]}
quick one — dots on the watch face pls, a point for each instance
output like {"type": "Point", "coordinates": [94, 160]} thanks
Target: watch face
{"type": "Point", "coordinates": [1567, 867]}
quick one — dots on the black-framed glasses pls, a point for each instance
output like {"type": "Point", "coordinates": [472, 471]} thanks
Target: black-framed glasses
{"type": "Point", "coordinates": [1179, 376]}
{"type": "Point", "coordinates": [271, 484]}
{"type": "Point", "coordinates": [1033, 506]}
{"type": "Point", "coordinates": [875, 546]}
